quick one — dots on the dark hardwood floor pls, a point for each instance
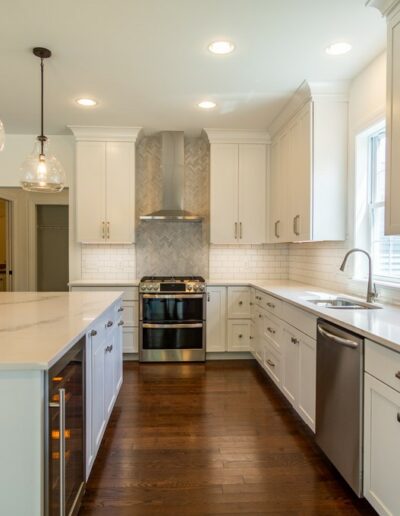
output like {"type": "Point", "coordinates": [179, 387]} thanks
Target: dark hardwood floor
{"type": "Point", "coordinates": [217, 438]}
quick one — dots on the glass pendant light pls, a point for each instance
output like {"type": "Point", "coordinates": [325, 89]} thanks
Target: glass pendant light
{"type": "Point", "coordinates": [2, 136]}
{"type": "Point", "coordinates": [41, 171]}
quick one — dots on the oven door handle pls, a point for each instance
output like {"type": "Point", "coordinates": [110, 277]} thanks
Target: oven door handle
{"type": "Point", "coordinates": [172, 296]}
{"type": "Point", "coordinates": [172, 326]}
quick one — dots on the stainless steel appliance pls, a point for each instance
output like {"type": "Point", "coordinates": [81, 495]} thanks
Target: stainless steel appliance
{"type": "Point", "coordinates": [65, 442]}
{"type": "Point", "coordinates": [339, 410]}
{"type": "Point", "coordinates": [172, 319]}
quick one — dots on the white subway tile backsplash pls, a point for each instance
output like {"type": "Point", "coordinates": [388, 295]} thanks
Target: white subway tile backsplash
{"type": "Point", "coordinates": [248, 262]}
{"type": "Point", "coordinates": [108, 262]}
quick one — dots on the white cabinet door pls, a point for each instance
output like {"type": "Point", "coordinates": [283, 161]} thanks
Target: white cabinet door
{"type": "Point", "coordinates": [224, 165]}
{"type": "Point", "coordinates": [239, 335]}
{"type": "Point", "coordinates": [117, 351]}
{"type": "Point", "coordinates": [290, 376]}
{"type": "Point", "coordinates": [120, 192]}
{"type": "Point", "coordinates": [239, 303]}
{"type": "Point", "coordinates": [281, 189]}
{"type": "Point", "coordinates": [90, 192]}
{"type": "Point", "coordinates": [381, 446]}
{"type": "Point", "coordinates": [98, 411]}
{"type": "Point", "coordinates": [276, 195]}
{"type": "Point", "coordinates": [252, 193]}
{"type": "Point", "coordinates": [300, 176]}
{"type": "Point", "coordinates": [307, 379]}
{"type": "Point", "coordinates": [216, 319]}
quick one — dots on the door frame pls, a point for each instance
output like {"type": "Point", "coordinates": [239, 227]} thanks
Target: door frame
{"type": "Point", "coordinates": [34, 200]}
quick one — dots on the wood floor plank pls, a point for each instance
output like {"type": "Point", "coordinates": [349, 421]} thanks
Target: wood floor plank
{"type": "Point", "coordinates": [210, 439]}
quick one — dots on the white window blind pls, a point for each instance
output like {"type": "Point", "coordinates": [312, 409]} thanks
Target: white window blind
{"type": "Point", "coordinates": [385, 250]}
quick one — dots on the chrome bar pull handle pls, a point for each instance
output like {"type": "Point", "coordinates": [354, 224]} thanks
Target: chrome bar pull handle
{"type": "Point", "coordinates": [240, 230]}
{"type": "Point", "coordinates": [295, 225]}
{"type": "Point", "coordinates": [103, 230]}
{"type": "Point", "coordinates": [108, 230]}
{"type": "Point", "coordinates": [236, 230]}
{"type": "Point", "coordinates": [339, 340]}
{"type": "Point", "coordinates": [270, 363]}
{"type": "Point", "coordinates": [277, 235]}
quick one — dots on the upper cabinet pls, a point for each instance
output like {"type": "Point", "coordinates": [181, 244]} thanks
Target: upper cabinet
{"type": "Point", "coordinates": [391, 9]}
{"type": "Point", "coordinates": [308, 166]}
{"type": "Point", "coordinates": [105, 184]}
{"type": "Point", "coordinates": [238, 187]}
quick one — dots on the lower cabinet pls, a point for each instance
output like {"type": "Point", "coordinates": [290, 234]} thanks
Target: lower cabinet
{"type": "Point", "coordinates": [239, 332]}
{"type": "Point", "coordinates": [381, 446]}
{"type": "Point", "coordinates": [299, 372]}
{"type": "Point", "coordinates": [103, 378]}
{"type": "Point", "coordinates": [216, 319]}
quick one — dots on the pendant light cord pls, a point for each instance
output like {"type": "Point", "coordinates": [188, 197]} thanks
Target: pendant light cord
{"type": "Point", "coordinates": [42, 136]}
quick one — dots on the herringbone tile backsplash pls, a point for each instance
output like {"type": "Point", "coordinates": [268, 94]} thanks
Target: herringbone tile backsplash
{"type": "Point", "coordinates": [167, 248]}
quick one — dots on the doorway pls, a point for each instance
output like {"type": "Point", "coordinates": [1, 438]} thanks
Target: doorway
{"type": "Point", "coordinates": [51, 247]}
{"type": "Point", "coordinates": [5, 246]}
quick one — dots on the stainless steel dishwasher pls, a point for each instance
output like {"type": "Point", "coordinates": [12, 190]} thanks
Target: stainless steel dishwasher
{"type": "Point", "coordinates": [339, 410]}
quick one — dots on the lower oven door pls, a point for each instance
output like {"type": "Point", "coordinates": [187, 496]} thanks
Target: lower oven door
{"type": "Point", "coordinates": [172, 308]}
{"type": "Point", "coordinates": [172, 342]}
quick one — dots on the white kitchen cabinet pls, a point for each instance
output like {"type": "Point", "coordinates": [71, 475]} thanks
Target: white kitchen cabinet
{"type": "Point", "coordinates": [239, 332]}
{"type": "Point", "coordinates": [381, 446]}
{"type": "Point", "coordinates": [103, 378]}
{"type": "Point", "coordinates": [299, 373]}
{"type": "Point", "coordinates": [238, 170]}
{"type": "Point", "coordinates": [391, 9]}
{"type": "Point", "coordinates": [239, 303]}
{"type": "Point", "coordinates": [105, 185]}
{"type": "Point", "coordinates": [307, 180]}
{"type": "Point", "coordinates": [216, 319]}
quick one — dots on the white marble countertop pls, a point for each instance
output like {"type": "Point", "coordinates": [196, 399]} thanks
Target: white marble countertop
{"type": "Point", "coordinates": [104, 283]}
{"type": "Point", "coordinates": [37, 328]}
{"type": "Point", "coordinates": [380, 325]}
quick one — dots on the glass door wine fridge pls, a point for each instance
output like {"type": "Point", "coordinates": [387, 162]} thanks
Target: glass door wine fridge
{"type": "Point", "coordinates": [65, 440]}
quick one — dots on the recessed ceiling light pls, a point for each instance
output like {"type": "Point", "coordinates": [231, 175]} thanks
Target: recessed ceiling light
{"type": "Point", "coordinates": [86, 102]}
{"type": "Point", "coordinates": [207, 104]}
{"type": "Point", "coordinates": [221, 47]}
{"type": "Point", "coordinates": [338, 49]}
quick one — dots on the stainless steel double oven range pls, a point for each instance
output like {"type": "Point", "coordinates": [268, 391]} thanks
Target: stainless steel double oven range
{"type": "Point", "coordinates": [172, 319]}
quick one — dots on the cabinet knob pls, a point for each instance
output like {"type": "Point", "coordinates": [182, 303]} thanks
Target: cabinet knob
{"type": "Point", "coordinates": [120, 309]}
{"type": "Point", "coordinates": [240, 303]}
{"type": "Point", "coordinates": [259, 315]}
{"type": "Point", "coordinates": [397, 375]}
{"type": "Point", "coordinates": [93, 333]}
{"type": "Point", "coordinates": [271, 330]}
{"type": "Point", "coordinates": [121, 323]}
{"type": "Point", "coordinates": [251, 338]}
{"type": "Point", "coordinates": [240, 336]}
{"type": "Point", "coordinates": [109, 324]}
{"type": "Point", "coordinates": [294, 341]}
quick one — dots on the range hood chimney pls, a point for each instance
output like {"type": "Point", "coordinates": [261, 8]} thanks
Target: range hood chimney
{"type": "Point", "coordinates": [173, 175]}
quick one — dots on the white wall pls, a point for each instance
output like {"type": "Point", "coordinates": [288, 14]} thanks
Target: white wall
{"type": "Point", "coordinates": [318, 263]}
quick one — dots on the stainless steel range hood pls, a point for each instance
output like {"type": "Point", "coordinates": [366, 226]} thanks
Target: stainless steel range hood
{"type": "Point", "coordinates": [173, 176]}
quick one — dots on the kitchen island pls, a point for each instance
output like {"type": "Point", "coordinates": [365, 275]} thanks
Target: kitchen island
{"type": "Point", "coordinates": [36, 331]}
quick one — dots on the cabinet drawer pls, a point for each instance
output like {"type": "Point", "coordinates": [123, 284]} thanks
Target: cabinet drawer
{"type": "Point", "coordinates": [239, 335]}
{"type": "Point", "coordinates": [300, 319]}
{"type": "Point", "coordinates": [272, 330]}
{"type": "Point", "coordinates": [130, 314]}
{"type": "Point", "coordinates": [239, 303]}
{"type": "Point", "coordinates": [129, 293]}
{"type": "Point", "coordinates": [272, 363]}
{"type": "Point", "coordinates": [130, 340]}
{"type": "Point", "coordinates": [383, 363]}
{"type": "Point", "coordinates": [269, 303]}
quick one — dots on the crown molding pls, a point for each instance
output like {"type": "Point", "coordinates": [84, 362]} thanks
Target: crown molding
{"type": "Point", "coordinates": [386, 7]}
{"type": "Point", "coordinates": [309, 91]}
{"type": "Point", "coordinates": [236, 136]}
{"type": "Point", "coordinates": [104, 133]}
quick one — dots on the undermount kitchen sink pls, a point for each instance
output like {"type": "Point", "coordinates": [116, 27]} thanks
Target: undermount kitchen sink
{"type": "Point", "coordinates": [340, 303]}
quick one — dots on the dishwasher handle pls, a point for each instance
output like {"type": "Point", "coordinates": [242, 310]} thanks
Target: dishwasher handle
{"type": "Point", "coordinates": [339, 340]}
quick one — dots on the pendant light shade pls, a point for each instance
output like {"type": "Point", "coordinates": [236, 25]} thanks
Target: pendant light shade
{"type": "Point", "coordinates": [2, 136]}
{"type": "Point", "coordinates": [41, 171]}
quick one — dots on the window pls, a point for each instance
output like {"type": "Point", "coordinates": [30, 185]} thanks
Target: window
{"type": "Point", "coordinates": [385, 250]}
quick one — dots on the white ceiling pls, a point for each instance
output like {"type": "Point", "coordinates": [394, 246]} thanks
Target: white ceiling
{"type": "Point", "coordinates": [147, 62]}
